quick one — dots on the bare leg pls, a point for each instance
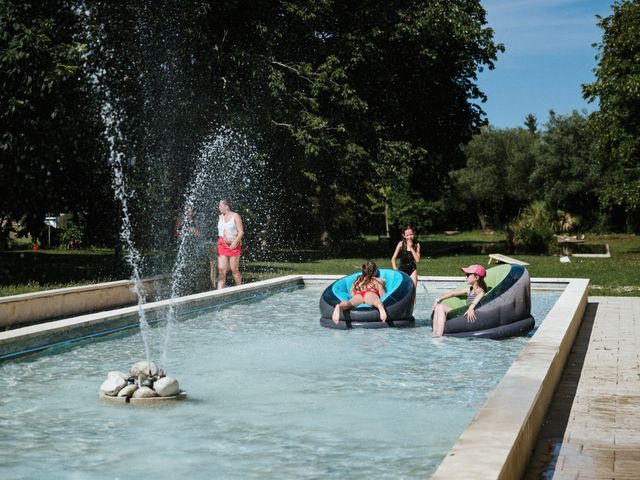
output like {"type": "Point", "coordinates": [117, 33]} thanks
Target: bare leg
{"type": "Point", "coordinates": [383, 313]}
{"type": "Point", "coordinates": [345, 305]}
{"type": "Point", "coordinates": [414, 277]}
{"type": "Point", "coordinates": [335, 317]}
{"type": "Point", "coordinates": [439, 318]}
{"type": "Point", "coordinates": [374, 300]}
{"type": "Point", "coordinates": [223, 266]}
{"type": "Point", "coordinates": [234, 262]}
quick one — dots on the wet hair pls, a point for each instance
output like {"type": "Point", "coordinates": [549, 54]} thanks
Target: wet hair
{"type": "Point", "coordinates": [404, 240]}
{"type": "Point", "coordinates": [369, 270]}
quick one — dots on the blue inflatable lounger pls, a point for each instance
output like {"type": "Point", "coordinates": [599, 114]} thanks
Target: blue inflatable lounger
{"type": "Point", "coordinates": [504, 311]}
{"type": "Point", "coordinates": [397, 301]}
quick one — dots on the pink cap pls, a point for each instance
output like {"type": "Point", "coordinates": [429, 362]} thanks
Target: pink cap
{"type": "Point", "coordinates": [477, 269]}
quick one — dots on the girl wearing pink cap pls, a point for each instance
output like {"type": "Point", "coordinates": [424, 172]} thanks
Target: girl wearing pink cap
{"type": "Point", "coordinates": [474, 292]}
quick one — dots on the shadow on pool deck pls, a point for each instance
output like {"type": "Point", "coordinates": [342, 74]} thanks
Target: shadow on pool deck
{"type": "Point", "coordinates": [545, 456]}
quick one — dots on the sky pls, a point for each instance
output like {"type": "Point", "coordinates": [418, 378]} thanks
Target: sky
{"type": "Point", "coordinates": [548, 56]}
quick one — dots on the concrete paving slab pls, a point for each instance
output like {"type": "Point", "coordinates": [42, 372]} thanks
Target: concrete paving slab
{"type": "Point", "coordinates": [601, 437]}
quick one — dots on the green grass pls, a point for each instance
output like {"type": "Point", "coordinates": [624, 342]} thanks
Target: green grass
{"type": "Point", "coordinates": [442, 255]}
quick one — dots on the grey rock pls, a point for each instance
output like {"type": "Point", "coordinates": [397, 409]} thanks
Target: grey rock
{"type": "Point", "coordinates": [113, 384]}
{"type": "Point", "coordinates": [128, 390]}
{"type": "Point", "coordinates": [147, 368]}
{"type": "Point", "coordinates": [166, 387]}
{"type": "Point", "coordinates": [144, 392]}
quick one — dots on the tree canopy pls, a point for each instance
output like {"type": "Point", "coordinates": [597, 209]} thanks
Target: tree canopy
{"type": "Point", "coordinates": [354, 108]}
{"type": "Point", "coordinates": [617, 123]}
{"type": "Point", "coordinates": [49, 159]}
{"type": "Point", "coordinates": [360, 117]}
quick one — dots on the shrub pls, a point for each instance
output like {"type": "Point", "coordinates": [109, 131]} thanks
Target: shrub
{"type": "Point", "coordinates": [533, 229]}
{"type": "Point", "coordinates": [71, 236]}
{"type": "Point", "coordinates": [566, 222]}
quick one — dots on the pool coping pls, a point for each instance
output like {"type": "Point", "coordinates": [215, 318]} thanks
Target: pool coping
{"type": "Point", "coordinates": [37, 307]}
{"type": "Point", "coordinates": [498, 442]}
{"type": "Point", "coordinates": [33, 338]}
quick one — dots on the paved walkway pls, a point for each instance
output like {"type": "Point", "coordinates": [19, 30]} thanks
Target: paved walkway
{"type": "Point", "coordinates": [592, 430]}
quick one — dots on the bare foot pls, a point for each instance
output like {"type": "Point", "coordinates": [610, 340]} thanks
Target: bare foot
{"type": "Point", "coordinates": [336, 315]}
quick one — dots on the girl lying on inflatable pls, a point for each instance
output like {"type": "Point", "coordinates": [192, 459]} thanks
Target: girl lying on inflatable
{"type": "Point", "coordinates": [367, 288]}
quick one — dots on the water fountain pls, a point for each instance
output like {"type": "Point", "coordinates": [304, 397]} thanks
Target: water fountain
{"type": "Point", "coordinates": [224, 166]}
{"type": "Point", "coordinates": [144, 381]}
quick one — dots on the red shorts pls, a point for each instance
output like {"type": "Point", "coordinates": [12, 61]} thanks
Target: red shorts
{"type": "Point", "coordinates": [225, 251]}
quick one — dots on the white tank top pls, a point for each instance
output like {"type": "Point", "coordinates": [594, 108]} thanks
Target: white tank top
{"type": "Point", "coordinates": [228, 230]}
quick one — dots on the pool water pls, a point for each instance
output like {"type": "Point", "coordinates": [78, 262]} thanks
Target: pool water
{"type": "Point", "coordinates": [271, 394]}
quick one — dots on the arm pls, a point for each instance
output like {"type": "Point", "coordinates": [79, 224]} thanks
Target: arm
{"type": "Point", "coordinates": [382, 286]}
{"type": "Point", "coordinates": [240, 228]}
{"type": "Point", "coordinates": [415, 251]}
{"type": "Point", "coordinates": [395, 255]}
{"type": "Point", "coordinates": [452, 293]}
{"type": "Point", "coordinates": [470, 313]}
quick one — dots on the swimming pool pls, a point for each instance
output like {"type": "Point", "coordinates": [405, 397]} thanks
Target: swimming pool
{"type": "Point", "coordinates": [271, 394]}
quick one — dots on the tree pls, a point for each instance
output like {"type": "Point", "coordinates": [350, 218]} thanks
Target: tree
{"type": "Point", "coordinates": [353, 108]}
{"type": "Point", "coordinates": [495, 181]}
{"type": "Point", "coordinates": [531, 122]}
{"type": "Point", "coordinates": [568, 167]}
{"type": "Point", "coordinates": [617, 123]}
{"type": "Point", "coordinates": [47, 119]}
{"type": "Point", "coordinates": [346, 93]}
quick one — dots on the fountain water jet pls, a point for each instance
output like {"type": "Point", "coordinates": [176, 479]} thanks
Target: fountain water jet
{"type": "Point", "coordinates": [236, 155]}
{"type": "Point", "coordinates": [225, 166]}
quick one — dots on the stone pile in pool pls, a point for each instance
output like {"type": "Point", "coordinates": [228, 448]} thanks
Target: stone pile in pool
{"type": "Point", "coordinates": [143, 381]}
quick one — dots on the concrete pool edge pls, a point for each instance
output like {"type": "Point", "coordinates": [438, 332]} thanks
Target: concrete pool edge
{"type": "Point", "coordinates": [24, 340]}
{"type": "Point", "coordinates": [500, 439]}
{"type": "Point", "coordinates": [38, 307]}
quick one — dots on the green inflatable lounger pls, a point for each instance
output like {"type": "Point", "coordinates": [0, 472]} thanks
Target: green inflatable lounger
{"type": "Point", "coordinates": [504, 311]}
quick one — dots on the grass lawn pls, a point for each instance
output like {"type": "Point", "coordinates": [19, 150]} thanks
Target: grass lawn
{"type": "Point", "coordinates": [443, 255]}
{"type": "Point", "coordinates": [25, 271]}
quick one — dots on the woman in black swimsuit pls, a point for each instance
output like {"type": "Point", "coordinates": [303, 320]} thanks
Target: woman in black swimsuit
{"type": "Point", "coordinates": [407, 254]}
